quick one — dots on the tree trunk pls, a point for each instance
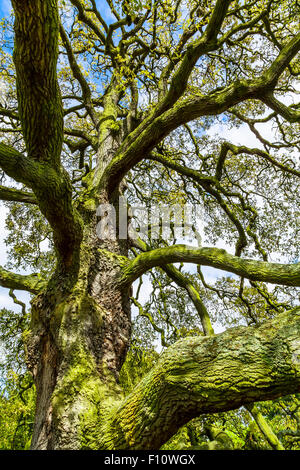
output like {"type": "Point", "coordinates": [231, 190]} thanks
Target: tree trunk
{"type": "Point", "coordinates": [79, 337]}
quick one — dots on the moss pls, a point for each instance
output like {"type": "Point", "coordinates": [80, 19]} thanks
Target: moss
{"type": "Point", "coordinates": [84, 399]}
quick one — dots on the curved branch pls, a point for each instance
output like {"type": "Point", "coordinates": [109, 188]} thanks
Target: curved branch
{"type": "Point", "coordinates": [31, 282]}
{"type": "Point", "coordinates": [235, 149]}
{"type": "Point", "coordinates": [35, 56]}
{"type": "Point", "coordinates": [208, 375]}
{"type": "Point", "coordinates": [82, 16]}
{"type": "Point", "coordinates": [142, 141]}
{"type": "Point", "coordinates": [275, 273]}
{"type": "Point", "coordinates": [185, 283]}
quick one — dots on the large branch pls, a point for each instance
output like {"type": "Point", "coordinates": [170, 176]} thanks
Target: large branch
{"type": "Point", "coordinates": [11, 194]}
{"type": "Point", "coordinates": [206, 43]}
{"type": "Point", "coordinates": [208, 375]}
{"type": "Point", "coordinates": [41, 114]}
{"type": "Point", "coordinates": [35, 57]}
{"type": "Point", "coordinates": [275, 273]}
{"type": "Point", "coordinates": [31, 283]}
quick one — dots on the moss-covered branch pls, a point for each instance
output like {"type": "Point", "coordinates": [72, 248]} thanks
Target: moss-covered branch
{"type": "Point", "coordinates": [31, 282]}
{"type": "Point", "coordinates": [265, 429]}
{"type": "Point", "coordinates": [17, 166]}
{"type": "Point", "coordinates": [41, 115]}
{"type": "Point", "coordinates": [77, 73]}
{"type": "Point", "coordinates": [235, 149]}
{"type": "Point", "coordinates": [8, 113]}
{"type": "Point", "coordinates": [208, 375]}
{"type": "Point", "coordinates": [276, 273]}
{"type": "Point", "coordinates": [206, 43]}
{"type": "Point", "coordinates": [290, 113]}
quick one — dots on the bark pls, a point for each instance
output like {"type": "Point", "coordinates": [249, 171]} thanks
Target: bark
{"type": "Point", "coordinates": [265, 429]}
{"type": "Point", "coordinates": [208, 375]}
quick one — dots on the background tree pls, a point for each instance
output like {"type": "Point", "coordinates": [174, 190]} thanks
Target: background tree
{"type": "Point", "coordinates": [102, 102]}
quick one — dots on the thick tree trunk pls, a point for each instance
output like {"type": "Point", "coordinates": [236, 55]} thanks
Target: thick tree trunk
{"type": "Point", "coordinates": [78, 342]}
{"type": "Point", "coordinates": [199, 375]}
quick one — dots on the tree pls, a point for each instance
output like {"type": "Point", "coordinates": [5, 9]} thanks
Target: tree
{"type": "Point", "coordinates": [102, 105]}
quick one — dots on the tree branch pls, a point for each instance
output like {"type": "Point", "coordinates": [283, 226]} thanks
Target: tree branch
{"type": "Point", "coordinates": [265, 429]}
{"type": "Point", "coordinates": [17, 166]}
{"type": "Point", "coordinates": [41, 115]}
{"type": "Point", "coordinates": [194, 51]}
{"type": "Point", "coordinates": [275, 273]}
{"type": "Point", "coordinates": [235, 149]}
{"type": "Point", "coordinates": [10, 194]}
{"type": "Point", "coordinates": [86, 92]}
{"type": "Point", "coordinates": [208, 375]}
{"type": "Point", "coordinates": [142, 141]}
{"type": "Point", "coordinates": [186, 284]}
{"type": "Point", "coordinates": [8, 113]}
{"type": "Point", "coordinates": [82, 16]}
